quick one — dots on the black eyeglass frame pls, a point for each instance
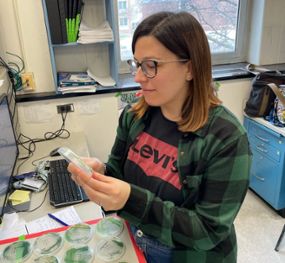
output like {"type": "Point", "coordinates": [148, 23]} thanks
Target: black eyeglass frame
{"type": "Point", "coordinates": [134, 65]}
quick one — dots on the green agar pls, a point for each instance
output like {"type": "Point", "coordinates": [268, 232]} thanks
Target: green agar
{"type": "Point", "coordinates": [79, 233]}
{"type": "Point", "coordinates": [17, 252]}
{"type": "Point", "coordinates": [48, 243]}
{"type": "Point", "coordinates": [78, 255]}
{"type": "Point", "coordinates": [46, 259]}
{"type": "Point", "coordinates": [109, 227]}
{"type": "Point", "coordinates": [109, 250]}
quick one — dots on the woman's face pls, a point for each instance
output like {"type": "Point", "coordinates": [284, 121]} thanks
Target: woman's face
{"type": "Point", "coordinates": [169, 87]}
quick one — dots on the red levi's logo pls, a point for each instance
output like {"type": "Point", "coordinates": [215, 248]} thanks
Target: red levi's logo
{"type": "Point", "coordinates": [155, 158]}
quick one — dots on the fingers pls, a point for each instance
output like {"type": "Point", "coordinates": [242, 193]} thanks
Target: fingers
{"type": "Point", "coordinates": [98, 197]}
{"type": "Point", "coordinates": [80, 177]}
{"type": "Point", "coordinates": [73, 169]}
{"type": "Point", "coordinates": [94, 163]}
{"type": "Point", "coordinates": [109, 192]}
{"type": "Point", "coordinates": [74, 178]}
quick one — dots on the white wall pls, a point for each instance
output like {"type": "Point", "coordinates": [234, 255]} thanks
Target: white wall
{"type": "Point", "coordinates": [95, 116]}
{"type": "Point", "coordinates": [267, 32]}
{"type": "Point", "coordinates": [9, 36]}
{"type": "Point", "coordinates": [23, 32]}
{"type": "Point", "coordinates": [234, 94]}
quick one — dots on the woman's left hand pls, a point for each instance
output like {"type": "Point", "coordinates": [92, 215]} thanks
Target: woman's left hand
{"type": "Point", "coordinates": [106, 191]}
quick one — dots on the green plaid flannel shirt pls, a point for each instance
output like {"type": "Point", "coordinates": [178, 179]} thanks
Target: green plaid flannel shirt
{"type": "Point", "coordinates": [213, 164]}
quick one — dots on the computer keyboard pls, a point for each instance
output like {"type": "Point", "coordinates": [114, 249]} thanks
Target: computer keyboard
{"type": "Point", "coordinates": [63, 191]}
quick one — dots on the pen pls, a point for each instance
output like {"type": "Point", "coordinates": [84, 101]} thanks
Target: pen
{"type": "Point", "coordinates": [57, 219]}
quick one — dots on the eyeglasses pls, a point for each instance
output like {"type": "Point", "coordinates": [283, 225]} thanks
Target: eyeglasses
{"type": "Point", "coordinates": [149, 66]}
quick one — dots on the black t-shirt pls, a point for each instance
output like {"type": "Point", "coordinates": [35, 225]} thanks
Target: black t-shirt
{"type": "Point", "coordinates": [152, 158]}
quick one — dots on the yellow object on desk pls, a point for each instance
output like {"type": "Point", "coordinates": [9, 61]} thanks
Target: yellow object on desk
{"type": "Point", "coordinates": [19, 197]}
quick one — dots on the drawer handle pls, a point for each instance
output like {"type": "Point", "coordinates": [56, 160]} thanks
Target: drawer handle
{"type": "Point", "coordinates": [261, 138]}
{"type": "Point", "coordinates": [259, 178]}
{"type": "Point", "coordinates": [261, 149]}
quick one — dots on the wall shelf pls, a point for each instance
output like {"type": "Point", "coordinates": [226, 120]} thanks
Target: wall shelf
{"type": "Point", "coordinates": [100, 58]}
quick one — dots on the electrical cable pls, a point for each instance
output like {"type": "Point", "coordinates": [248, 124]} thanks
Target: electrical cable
{"type": "Point", "coordinates": [14, 71]}
{"type": "Point", "coordinates": [11, 182]}
{"type": "Point", "coordinates": [37, 207]}
{"type": "Point", "coordinates": [32, 147]}
{"type": "Point", "coordinates": [33, 162]}
{"type": "Point", "coordinates": [19, 165]}
{"type": "Point", "coordinates": [30, 144]}
{"type": "Point", "coordinates": [22, 61]}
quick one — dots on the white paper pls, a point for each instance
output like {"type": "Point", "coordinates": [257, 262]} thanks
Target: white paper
{"type": "Point", "coordinates": [12, 226]}
{"type": "Point", "coordinates": [89, 88]}
{"type": "Point", "coordinates": [101, 33]}
{"type": "Point", "coordinates": [103, 81]}
{"type": "Point", "coordinates": [67, 215]}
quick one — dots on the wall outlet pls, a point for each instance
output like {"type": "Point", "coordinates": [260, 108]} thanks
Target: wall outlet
{"type": "Point", "coordinates": [65, 108]}
{"type": "Point", "coordinates": [28, 81]}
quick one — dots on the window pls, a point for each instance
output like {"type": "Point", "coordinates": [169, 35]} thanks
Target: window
{"type": "Point", "coordinates": [122, 5]}
{"type": "Point", "coordinates": [223, 21]}
{"type": "Point", "coordinates": [123, 22]}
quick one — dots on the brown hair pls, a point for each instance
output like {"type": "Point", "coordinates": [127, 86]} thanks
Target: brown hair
{"type": "Point", "coordinates": [183, 35]}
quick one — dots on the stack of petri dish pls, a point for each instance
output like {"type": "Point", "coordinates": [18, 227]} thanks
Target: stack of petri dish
{"type": "Point", "coordinates": [46, 246]}
{"type": "Point", "coordinates": [110, 247]}
{"type": "Point", "coordinates": [78, 236]}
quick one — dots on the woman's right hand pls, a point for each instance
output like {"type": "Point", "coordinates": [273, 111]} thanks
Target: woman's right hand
{"type": "Point", "coordinates": [95, 164]}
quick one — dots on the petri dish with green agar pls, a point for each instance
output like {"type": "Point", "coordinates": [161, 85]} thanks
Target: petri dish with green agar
{"type": "Point", "coordinates": [109, 227]}
{"type": "Point", "coordinates": [82, 254]}
{"type": "Point", "coordinates": [78, 234]}
{"type": "Point", "coordinates": [48, 243]}
{"type": "Point", "coordinates": [46, 259]}
{"type": "Point", "coordinates": [109, 250]}
{"type": "Point", "coordinates": [18, 251]}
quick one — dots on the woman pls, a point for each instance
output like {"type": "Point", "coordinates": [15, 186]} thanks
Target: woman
{"type": "Point", "coordinates": [178, 170]}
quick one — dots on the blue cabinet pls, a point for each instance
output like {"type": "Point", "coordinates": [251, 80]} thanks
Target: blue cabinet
{"type": "Point", "coordinates": [267, 176]}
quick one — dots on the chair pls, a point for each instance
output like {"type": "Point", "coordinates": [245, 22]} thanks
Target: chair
{"type": "Point", "coordinates": [280, 239]}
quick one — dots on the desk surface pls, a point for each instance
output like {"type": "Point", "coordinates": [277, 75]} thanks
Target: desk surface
{"type": "Point", "coordinates": [76, 142]}
{"type": "Point", "coordinates": [87, 211]}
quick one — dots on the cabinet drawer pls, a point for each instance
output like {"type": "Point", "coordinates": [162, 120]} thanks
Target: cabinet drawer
{"type": "Point", "coordinates": [264, 148]}
{"type": "Point", "coordinates": [265, 136]}
{"type": "Point", "coordinates": [264, 177]}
